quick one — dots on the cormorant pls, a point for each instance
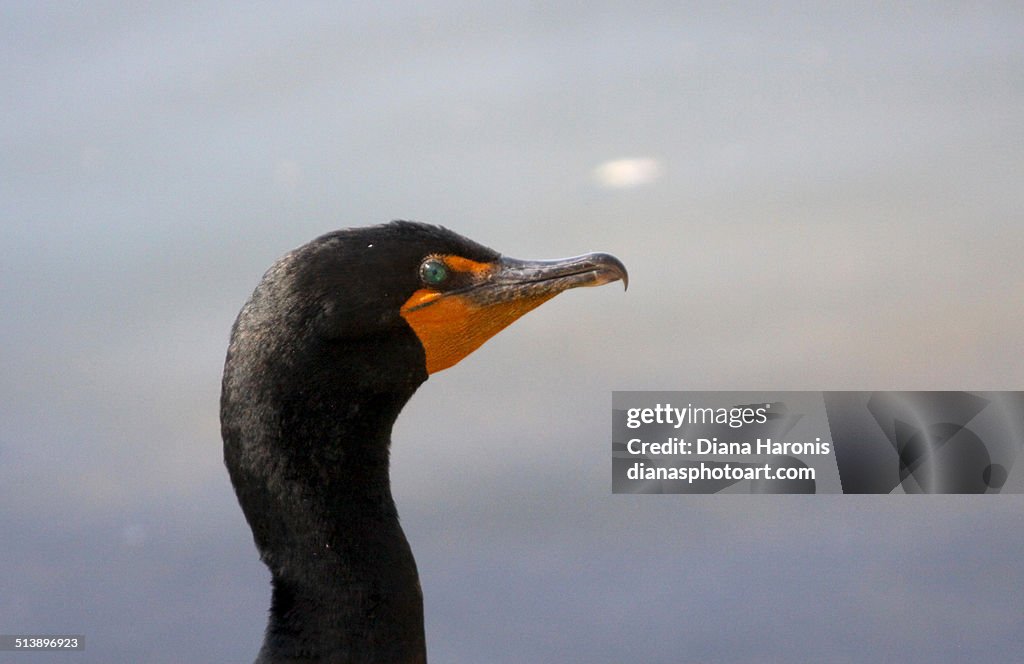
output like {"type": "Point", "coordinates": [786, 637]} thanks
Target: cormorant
{"type": "Point", "coordinates": [332, 343]}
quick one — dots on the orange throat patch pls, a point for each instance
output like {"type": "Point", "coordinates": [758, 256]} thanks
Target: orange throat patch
{"type": "Point", "coordinates": [450, 327]}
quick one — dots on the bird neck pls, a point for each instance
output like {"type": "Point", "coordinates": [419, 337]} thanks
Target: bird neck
{"type": "Point", "coordinates": [345, 584]}
{"type": "Point", "coordinates": [352, 596]}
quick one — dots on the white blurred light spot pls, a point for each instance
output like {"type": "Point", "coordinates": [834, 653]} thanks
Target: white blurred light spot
{"type": "Point", "coordinates": [288, 175]}
{"type": "Point", "coordinates": [627, 173]}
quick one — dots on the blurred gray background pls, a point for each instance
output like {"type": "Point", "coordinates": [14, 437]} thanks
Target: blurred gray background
{"type": "Point", "coordinates": [806, 197]}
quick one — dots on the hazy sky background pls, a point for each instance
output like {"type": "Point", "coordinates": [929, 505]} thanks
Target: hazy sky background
{"type": "Point", "coordinates": [824, 198]}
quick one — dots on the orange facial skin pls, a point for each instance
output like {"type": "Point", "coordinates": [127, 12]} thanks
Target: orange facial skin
{"type": "Point", "coordinates": [484, 298]}
{"type": "Point", "coordinates": [453, 326]}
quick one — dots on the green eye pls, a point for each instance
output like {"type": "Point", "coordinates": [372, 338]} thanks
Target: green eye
{"type": "Point", "coordinates": [433, 272]}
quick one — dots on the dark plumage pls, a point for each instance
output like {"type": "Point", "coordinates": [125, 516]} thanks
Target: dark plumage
{"type": "Point", "coordinates": [335, 339]}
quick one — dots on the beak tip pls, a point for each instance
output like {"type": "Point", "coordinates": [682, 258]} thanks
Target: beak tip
{"type": "Point", "coordinates": [614, 267]}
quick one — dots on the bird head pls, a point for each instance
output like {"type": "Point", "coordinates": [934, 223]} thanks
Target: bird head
{"type": "Point", "coordinates": [406, 289]}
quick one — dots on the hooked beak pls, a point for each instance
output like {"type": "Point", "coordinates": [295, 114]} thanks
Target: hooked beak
{"type": "Point", "coordinates": [452, 324]}
{"type": "Point", "coordinates": [515, 279]}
